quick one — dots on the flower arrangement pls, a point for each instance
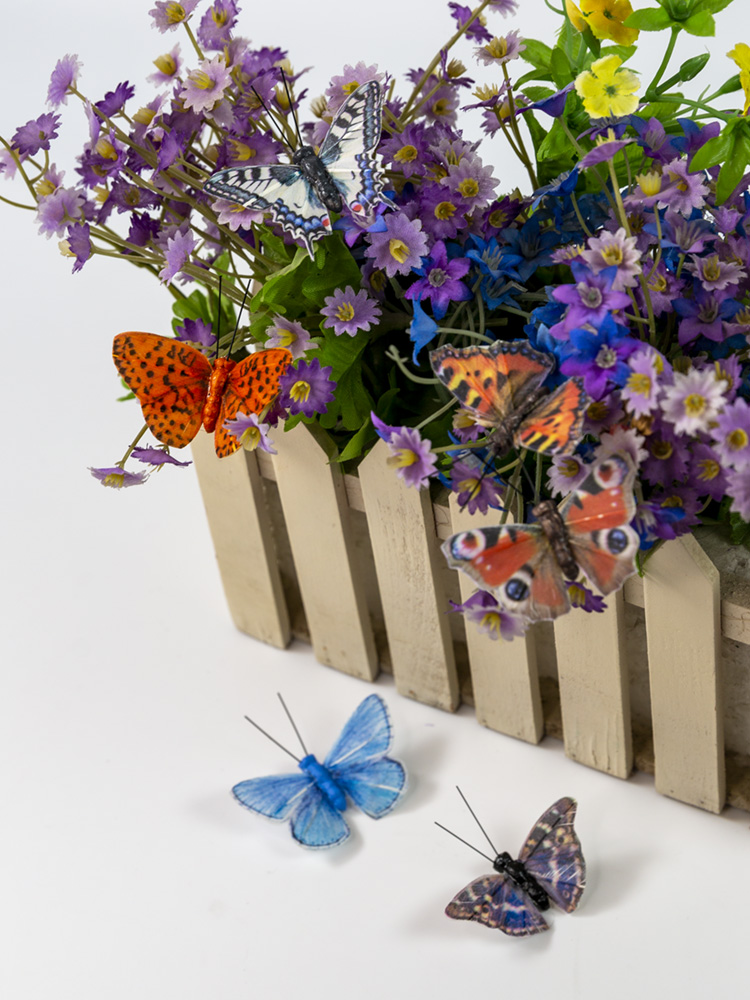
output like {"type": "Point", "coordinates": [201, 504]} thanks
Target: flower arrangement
{"type": "Point", "coordinates": [626, 264]}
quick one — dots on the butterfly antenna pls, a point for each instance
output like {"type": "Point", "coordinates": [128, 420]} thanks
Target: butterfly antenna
{"type": "Point", "coordinates": [292, 108]}
{"type": "Point", "coordinates": [294, 727]}
{"type": "Point", "coordinates": [239, 314]}
{"type": "Point", "coordinates": [465, 842]}
{"type": "Point", "coordinates": [268, 736]}
{"type": "Point", "coordinates": [476, 820]}
{"type": "Point", "coordinates": [272, 120]}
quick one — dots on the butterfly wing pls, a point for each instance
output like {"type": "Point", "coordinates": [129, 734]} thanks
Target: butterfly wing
{"type": "Point", "coordinates": [597, 518]}
{"type": "Point", "coordinates": [552, 854]}
{"type": "Point", "coordinates": [282, 191]}
{"type": "Point", "coordinates": [358, 759]}
{"type": "Point", "coordinates": [170, 380]}
{"type": "Point", "coordinates": [348, 151]}
{"type": "Point", "coordinates": [491, 382]}
{"type": "Point", "coordinates": [252, 385]}
{"type": "Point", "coordinates": [494, 901]}
{"type": "Point", "coordinates": [556, 423]}
{"type": "Point", "coordinates": [276, 796]}
{"type": "Point", "coordinates": [517, 563]}
{"type": "Point", "coordinates": [316, 823]}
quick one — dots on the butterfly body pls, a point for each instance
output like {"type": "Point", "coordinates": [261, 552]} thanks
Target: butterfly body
{"type": "Point", "coordinates": [357, 769]}
{"type": "Point", "coordinates": [525, 565]}
{"type": "Point", "coordinates": [550, 869]}
{"type": "Point", "coordinates": [299, 196]}
{"type": "Point", "coordinates": [501, 387]}
{"type": "Point", "coordinates": [180, 390]}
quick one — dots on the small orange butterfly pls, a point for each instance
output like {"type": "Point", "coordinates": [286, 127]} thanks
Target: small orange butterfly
{"type": "Point", "coordinates": [179, 388]}
{"type": "Point", "coordinates": [501, 386]}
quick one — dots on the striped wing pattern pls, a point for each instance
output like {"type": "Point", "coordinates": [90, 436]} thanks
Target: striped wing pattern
{"type": "Point", "coordinates": [494, 901]}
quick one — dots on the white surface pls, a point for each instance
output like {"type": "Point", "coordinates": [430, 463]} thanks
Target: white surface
{"type": "Point", "coordinates": [128, 870]}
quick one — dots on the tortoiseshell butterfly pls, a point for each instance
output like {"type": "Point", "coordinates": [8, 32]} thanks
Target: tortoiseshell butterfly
{"type": "Point", "coordinates": [550, 868]}
{"type": "Point", "coordinates": [179, 388]}
{"type": "Point", "coordinates": [525, 565]}
{"type": "Point", "coordinates": [501, 386]}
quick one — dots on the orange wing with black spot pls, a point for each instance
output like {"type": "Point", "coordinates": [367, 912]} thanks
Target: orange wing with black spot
{"type": "Point", "coordinates": [556, 423]}
{"type": "Point", "coordinates": [251, 386]}
{"type": "Point", "coordinates": [170, 380]}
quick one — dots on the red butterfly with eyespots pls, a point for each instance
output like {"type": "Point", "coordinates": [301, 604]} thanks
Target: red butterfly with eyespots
{"type": "Point", "coordinates": [179, 389]}
{"type": "Point", "coordinates": [525, 565]}
{"type": "Point", "coordinates": [501, 387]}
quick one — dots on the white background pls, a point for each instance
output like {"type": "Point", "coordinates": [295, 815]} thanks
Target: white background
{"type": "Point", "coordinates": [128, 870]}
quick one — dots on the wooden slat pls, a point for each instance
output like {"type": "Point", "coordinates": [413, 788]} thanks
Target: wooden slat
{"type": "Point", "coordinates": [406, 552]}
{"type": "Point", "coordinates": [241, 531]}
{"type": "Point", "coordinates": [594, 694]}
{"type": "Point", "coordinates": [503, 674]}
{"type": "Point", "coordinates": [681, 592]}
{"type": "Point", "coordinates": [313, 498]}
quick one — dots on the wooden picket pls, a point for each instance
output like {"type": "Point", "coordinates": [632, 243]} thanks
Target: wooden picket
{"type": "Point", "coordinates": [380, 601]}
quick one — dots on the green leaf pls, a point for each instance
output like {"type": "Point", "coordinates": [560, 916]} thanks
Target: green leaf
{"type": "Point", "coordinates": [714, 6]}
{"type": "Point", "coordinates": [624, 52]}
{"type": "Point", "coordinates": [537, 53]}
{"type": "Point", "coordinates": [701, 24]}
{"type": "Point", "coordinates": [739, 530]}
{"type": "Point", "coordinates": [692, 67]}
{"type": "Point", "coordinates": [714, 151]}
{"type": "Point", "coordinates": [538, 133]}
{"type": "Point", "coordinates": [538, 93]}
{"type": "Point", "coordinates": [560, 68]}
{"type": "Point", "coordinates": [730, 176]}
{"type": "Point", "coordinates": [556, 144]}
{"type": "Point", "coordinates": [648, 19]}
{"type": "Point", "coordinates": [534, 74]}
{"type": "Point", "coordinates": [358, 442]}
{"type": "Point", "coordinates": [344, 355]}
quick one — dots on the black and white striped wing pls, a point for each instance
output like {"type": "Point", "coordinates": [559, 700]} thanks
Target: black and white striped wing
{"type": "Point", "coordinates": [279, 189]}
{"type": "Point", "coordinates": [348, 151]}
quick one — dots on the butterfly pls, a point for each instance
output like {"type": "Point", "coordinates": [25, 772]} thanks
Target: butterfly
{"type": "Point", "coordinates": [501, 386]}
{"type": "Point", "coordinates": [549, 869]}
{"type": "Point", "coordinates": [356, 768]}
{"type": "Point", "coordinates": [179, 388]}
{"type": "Point", "coordinates": [301, 195]}
{"type": "Point", "coordinates": [525, 564]}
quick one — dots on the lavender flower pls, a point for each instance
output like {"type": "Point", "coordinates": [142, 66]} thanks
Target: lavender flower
{"type": "Point", "coordinates": [79, 244]}
{"type": "Point", "coordinates": [348, 312]}
{"type": "Point", "coordinates": [583, 598]}
{"type": "Point", "coordinates": [64, 77]}
{"type": "Point", "coordinates": [251, 433]}
{"type": "Point", "coordinates": [306, 389]}
{"type": "Point", "coordinates": [600, 357]}
{"type": "Point", "coordinates": [206, 85]}
{"type": "Point", "coordinates": [351, 78]}
{"type": "Point", "coordinates": [114, 100]}
{"type": "Point", "coordinates": [615, 249]}
{"type": "Point", "coordinates": [715, 274]}
{"type": "Point", "coordinates": [731, 434]}
{"type": "Point", "coordinates": [117, 478]}
{"type": "Point", "coordinates": [168, 14]}
{"type": "Point", "coordinates": [693, 402]}
{"type": "Point", "coordinates": [477, 491]}
{"type": "Point", "coordinates": [286, 333]}
{"type": "Point", "coordinates": [156, 457]}
{"type": "Point", "coordinates": [168, 67]}
{"type": "Point", "coordinates": [738, 488]}
{"type": "Point", "coordinates": [440, 280]}
{"type": "Point", "coordinates": [685, 190]}
{"type": "Point", "coordinates": [501, 49]}
{"type": "Point", "coordinates": [179, 248]}
{"type": "Point", "coordinates": [707, 472]}
{"type": "Point", "coordinates": [411, 455]}
{"type": "Point", "coordinates": [493, 620]}
{"type": "Point", "coordinates": [235, 216]}
{"type": "Point", "coordinates": [566, 473]}
{"type": "Point", "coordinates": [641, 390]}
{"type": "Point", "coordinates": [36, 134]}
{"type": "Point", "coordinates": [216, 25]}
{"type": "Point", "coordinates": [196, 331]}
{"type": "Point", "coordinates": [58, 210]}
{"type": "Point", "coordinates": [401, 247]}
{"type": "Point", "coordinates": [589, 300]}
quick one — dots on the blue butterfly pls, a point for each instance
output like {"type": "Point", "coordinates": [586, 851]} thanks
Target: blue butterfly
{"type": "Point", "coordinates": [300, 196]}
{"type": "Point", "coordinates": [356, 767]}
{"type": "Point", "coordinates": [550, 868]}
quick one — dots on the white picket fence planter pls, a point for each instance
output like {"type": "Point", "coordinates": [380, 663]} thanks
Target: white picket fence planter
{"type": "Point", "coordinates": [352, 564]}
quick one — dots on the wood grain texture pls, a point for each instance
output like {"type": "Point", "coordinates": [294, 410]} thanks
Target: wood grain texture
{"type": "Point", "coordinates": [681, 592]}
{"type": "Point", "coordinates": [594, 696]}
{"type": "Point", "coordinates": [240, 527]}
{"type": "Point", "coordinates": [406, 553]}
{"type": "Point", "coordinates": [313, 498]}
{"type": "Point", "coordinates": [504, 676]}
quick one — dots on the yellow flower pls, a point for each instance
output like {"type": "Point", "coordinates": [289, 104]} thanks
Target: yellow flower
{"type": "Point", "coordinates": [607, 90]}
{"type": "Point", "coordinates": [741, 55]}
{"type": "Point", "coordinates": [604, 18]}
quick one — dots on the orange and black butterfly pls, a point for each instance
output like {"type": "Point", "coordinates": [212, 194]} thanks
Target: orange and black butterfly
{"type": "Point", "coordinates": [501, 387]}
{"type": "Point", "coordinates": [179, 389]}
{"type": "Point", "coordinates": [526, 565]}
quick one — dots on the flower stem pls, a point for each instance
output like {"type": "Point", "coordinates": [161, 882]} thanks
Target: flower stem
{"type": "Point", "coordinates": [131, 447]}
{"type": "Point", "coordinates": [651, 92]}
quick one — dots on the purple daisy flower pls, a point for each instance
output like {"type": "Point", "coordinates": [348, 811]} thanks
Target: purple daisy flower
{"type": "Point", "coordinates": [407, 151]}
{"type": "Point", "coordinates": [168, 67]}
{"type": "Point", "coordinates": [706, 471]}
{"type": "Point", "coordinates": [235, 216]}
{"type": "Point", "coordinates": [476, 29]}
{"type": "Point", "coordinates": [117, 478]}
{"type": "Point", "coordinates": [251, 433]}
{"type": "Point", "coordinates": [400, 247]}
{"type": "Point", "coordinates": [58, 210]}
{"type": "Point", "coordinates": [351, 78]}
{"type": "Point", "coordinates": [168, 14]}
{"type": "Point", "coordinates": [79, 243]}
{"type": "Point", "coordinates": [156, 456]}
{"type": "Point", "coordinates": [483, 609]}
{"type": "Point", "coordinates": [738, 488]}
{"type": "Point", "coordinates": [602, 414]}
{"type": "Point", "coordinates": [64, 76]}
{"type": "Point", "coordinates": [504, 7]}
{"type": "Point", "coordinates": [641, 389]}
{"type": "Point", "coordinates": [566, 473]}
{"type": "Point", "coordinates": [685, 190]}
{"type": "Point", "coordinates": [306, 389]}
{"type": "Point", "coordinates": [687, 235]}
{"type": "Point", "coordinates": [198, 332]}
{"type": "Point", "coordinates": [589, 300]}
{"type": "Point", "coordinates": [216, 24]}
{"type": "Point", "coordinates": [603, 150]}
{"type": "Point", "coordinates": [286, 333]}
{"type": "Point", "coordinates": [668, 454]}
{"type": "Point", "coordinates": [600, 357]}
{"type": "Point", "coordinates": [693, 401]}
{"type": "Point", "coordinates": [683, 499]}
{"type": "Point", "coordinates": [663, 288]}
{"type": "Point", "coordinates": [440, 280]}
{"type": "Point", "coordinates": [442, 211]}
{"type": "Point", "coordinates": [36, 134]}
{"type": "Point", "coordinates": [206, 85]}
{"type": "Point", "coordinates": [583, 598]}
{"type": "Point", "coordinates": [349, 313]}
{"type": "Point", "coordinates": [177, 254]}
{"type": "Point", "coordinates": [501, 49]}
{"type": "Point", "coordinates": [715, 274]}
{"type": "Point", "coordinates": [731, 434]}
{"type": "Point", "coordinates": [615, 249]}
{"type": "Point", "coordinates": [114, 100]}
{"type": "Point", "coordinates": [472, 181]}
{"type": "Point", "coordinates": [706, 315]}
{"type": "Point", "coordinates": [411, 457]}
{"type": "Point", "coordinates": [477, 491]}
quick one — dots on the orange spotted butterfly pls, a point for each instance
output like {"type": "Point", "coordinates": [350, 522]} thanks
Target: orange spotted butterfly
{"type": "Point", "coordinates": [525, 565]}
{"type": "Point", "coordinates": [501, 386]}
{"type": "Point", "coordinates": [179, 388]}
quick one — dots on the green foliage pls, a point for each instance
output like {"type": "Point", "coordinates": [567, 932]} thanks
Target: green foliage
{"type": "Point", "coordinates": [649, 19]}
{"type": "Point", "coordinates": [731, 149]}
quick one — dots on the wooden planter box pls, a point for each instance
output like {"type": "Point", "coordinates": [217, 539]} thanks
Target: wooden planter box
{"type": "Point", "coordinates": [352, 564]}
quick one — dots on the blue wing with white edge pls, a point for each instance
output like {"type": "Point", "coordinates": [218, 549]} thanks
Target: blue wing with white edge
{"type": "Point", "coordinates": [348, 151]}
{"type": "Point", "coordinates": [276, 797]}
{"type": "Point", "coordinates": [375, 787]}
{"type": "Point", "coordinates": [316, 823]}
{"type": "Point", "coordinates": [282, 191]}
